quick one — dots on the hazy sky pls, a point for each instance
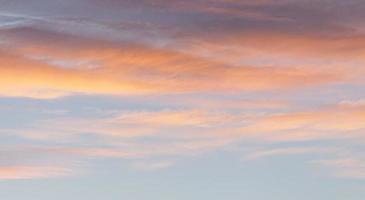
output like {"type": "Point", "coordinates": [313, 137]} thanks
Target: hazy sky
{"type": "Point", "coordinates": [177, 100]}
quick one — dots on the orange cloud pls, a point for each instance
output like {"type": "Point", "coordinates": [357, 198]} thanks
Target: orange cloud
{"type": "Point", "coordinates": [23, 77]}
{"type": "Point", "coordinates": [36, 70]}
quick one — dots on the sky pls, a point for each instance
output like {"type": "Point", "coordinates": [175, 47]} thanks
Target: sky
{"type": "Point", "coordinates": [176, 100]}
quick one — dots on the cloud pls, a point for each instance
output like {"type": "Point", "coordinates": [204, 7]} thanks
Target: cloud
{"type": "Point", "coordinates": [31, 172]}
{"type": "Point", "coordinates": [129, 124]}
{"type": "Point", "coordinates": [326, 123]}
{"type": "Point", "coordinates": [260, 154]}
{"type": "Point", "coordinates": [163, 51]}
{"type": "Point", "coordinates": [331, 53]}
{"type": "Point", "coordinates": [152, 166]}
{"type": "Point", "coordinates": [31, 162]}
{"type": "Point", "coordinates": [23, 77]}
{"type": "Point", "coordinates": [130, 69]}
{"type": "Point", "coordinates": [141, 136]}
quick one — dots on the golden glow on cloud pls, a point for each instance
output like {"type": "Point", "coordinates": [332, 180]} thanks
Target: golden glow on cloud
{"type": "Point", "coordinates": [22, 77]}
{"type": "Point", "coordinates": [143, 71]}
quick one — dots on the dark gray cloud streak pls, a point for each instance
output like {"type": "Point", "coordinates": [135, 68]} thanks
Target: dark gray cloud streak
{"type": "Point", "coordinates": [197, 17]}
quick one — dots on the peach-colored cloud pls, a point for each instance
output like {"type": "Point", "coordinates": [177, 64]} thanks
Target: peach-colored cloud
{"type": "Point", "coordinates": [129, 124]}
{"type": "Point", "coordinates": [225, 46]}
{"type": "Point", "coordinates": [168, 118]}
{"type": "Point", "coordinates": [23, 77]}
{"type": "Point", "coordinates": [198, 130]}
{"type": "Point", "coordinates": [29, 71]}
{"type": "Point", "coordinates": [142, 151]}
{"type": "Point", "coordinates": [218, 103]}
{"type": "Point", "coordinates": [329, 123]}
{"type": "Point", "coordinates": [195, 132]}
{"type": "Point", "coordinates": [31, 172]}
{"type": "Point", "coordinates": [333, 122]}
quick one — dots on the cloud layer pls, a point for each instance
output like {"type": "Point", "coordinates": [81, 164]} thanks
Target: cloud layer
{"type": "Point", "coordinates": [174, 79]}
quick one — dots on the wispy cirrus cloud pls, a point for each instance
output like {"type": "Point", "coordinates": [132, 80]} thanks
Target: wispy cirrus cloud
{"type": "Point", "coordinates": [260, 154]}
{"type": "Point", "coordinates": [31, 172]}
{"type": "Point", "coordinates": [31, 162]}
{"type": "Point", "coordinates": [141, 136]}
